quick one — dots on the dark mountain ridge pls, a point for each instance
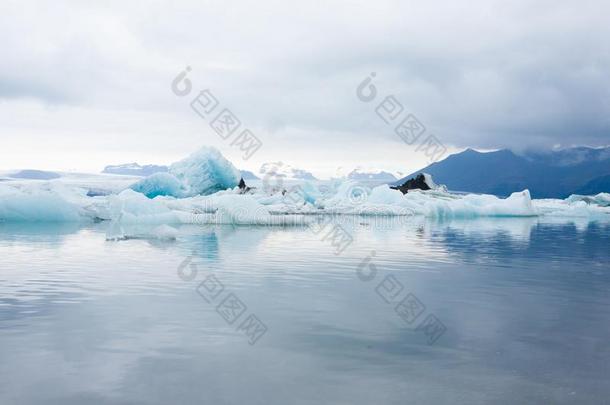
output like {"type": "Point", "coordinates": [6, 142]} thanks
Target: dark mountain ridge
{"type": "Point", "coordinates": [552, 174]}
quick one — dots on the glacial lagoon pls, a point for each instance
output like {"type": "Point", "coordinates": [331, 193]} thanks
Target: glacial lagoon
{"type": "Point", "coordinates": [414, 310]}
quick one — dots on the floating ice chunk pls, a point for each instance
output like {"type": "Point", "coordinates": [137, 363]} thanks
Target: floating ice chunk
{"type": "Point", "coordinates": [202, 173]}
{"type": "Point", "coordinates": [240, 210]}
{"type": "Point", "coordinates": [385, 195]}
{"type": "Point", "coordinates": [353, 198]}
{"type": "Point", "coordinates": [473, 205]}
{"type": "Point", "coordinates": [309, 192]}
{"type": "Point", "coordinates": [37, 204]}
{"type": "Point", "coordinates": [576, 206]}
{"type": "Point", "coordinates": [233, 209]}
{"type": "Point", "coordinates": [205, 172]}
{"type": "Point", "coordinates": [601, 199]}
{"type": "Point", "coordinates": [383, 201]}
{"type": "Point", "coordinates": [348, 195]}
{"type": "Point", "coordinates": [277, 199]}
{"type": "Point", "coordinates": [135, 208]}
{"type": "Point", "coordinates": [157, 184]}
{"type": "Point", "coordinates": [296, 195]}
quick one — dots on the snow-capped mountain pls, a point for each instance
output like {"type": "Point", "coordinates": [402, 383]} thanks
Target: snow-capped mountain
{"type": "Point", "coordinates": [360, 174]}
{"type": "Point", "coordinates": [285, 171]}
{"type": "Point", "coordinates": [134, 169]}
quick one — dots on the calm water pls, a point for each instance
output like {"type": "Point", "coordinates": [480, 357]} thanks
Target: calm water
{"type": "Point", "coordinates": [524, 306]}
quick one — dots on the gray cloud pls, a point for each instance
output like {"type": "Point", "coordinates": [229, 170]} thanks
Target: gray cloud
{"type": "Point", "coordinates": [483, 74]}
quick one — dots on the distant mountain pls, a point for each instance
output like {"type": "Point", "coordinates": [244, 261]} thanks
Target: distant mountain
{"type": "Point", "coordinates": [553, 174]}
{"type": "Point", "coordinates": [34, 175]}
{"type": "Point", "coordinates": [285, 171]}
{"type": "Point", "coordinates": [134, 169]}
{"type": "Point", "coordinates": [248, 175]}
{"type": "Point", "coordinates": [597, 185]}
{"type": "Point", "coordinates": [362, 175]}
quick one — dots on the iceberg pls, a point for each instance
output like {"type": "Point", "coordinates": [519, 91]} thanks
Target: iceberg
{"type": "Point", "coordinates": [347, 196]}
{"type": "Point", "coordinates": [205, 172]}
{"type": "Point", "coordinates": [157, 184]}
{"type": "Point", "coordinates": [385, 195]}
{"type": "Point", "coordinates": [601, 199]}
{"type": "Point", "coordinates": [472, 206]}
{"type": "Point", "coordinates": [235, 209]}
{"type": "Point", "coordinates": [38, 204]}
{"type": "Point", "coordinates": [132, 207]}
{"type": "Point", "coordinates": [202, 173]}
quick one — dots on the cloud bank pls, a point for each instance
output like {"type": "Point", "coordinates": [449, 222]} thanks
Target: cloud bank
{"type": "Point", "coordinates": [82, 86]}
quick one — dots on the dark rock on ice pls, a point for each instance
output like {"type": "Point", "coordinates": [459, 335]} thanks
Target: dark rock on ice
{"type": "Point", "coordinates": [418, 182]}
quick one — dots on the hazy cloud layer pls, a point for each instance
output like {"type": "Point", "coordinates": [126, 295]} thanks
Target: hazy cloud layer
{"type": "Point", "coordinates": [94, 80]}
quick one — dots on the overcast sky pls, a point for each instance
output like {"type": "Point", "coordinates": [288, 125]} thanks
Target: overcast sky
{"type": "Point", "coordinates": [83, 86]}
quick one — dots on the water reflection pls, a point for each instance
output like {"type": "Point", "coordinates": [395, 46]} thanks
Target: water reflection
{"type": "Point", "coordinates": [525, 303]}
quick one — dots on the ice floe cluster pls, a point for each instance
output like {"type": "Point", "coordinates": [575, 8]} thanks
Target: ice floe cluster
{"type": "Point", "coordinates": [203, 189]}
